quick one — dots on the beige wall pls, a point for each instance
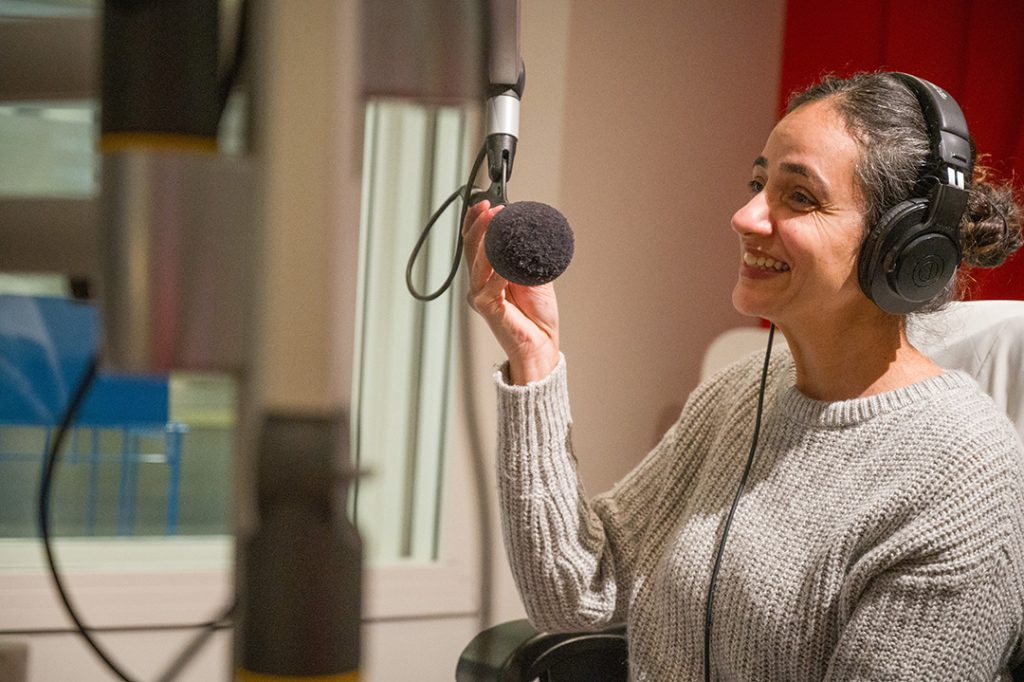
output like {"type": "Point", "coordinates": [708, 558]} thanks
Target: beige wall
{"type": "Point", "coordinates": [677, 97]}
{"type": "Point", "coordinates": [641, 126]}
{"type": "Point", "coordinates": [640, 121]}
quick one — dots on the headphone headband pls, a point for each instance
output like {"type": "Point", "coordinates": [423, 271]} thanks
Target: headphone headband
{"type": "Point", "coordinates": [947, 130]}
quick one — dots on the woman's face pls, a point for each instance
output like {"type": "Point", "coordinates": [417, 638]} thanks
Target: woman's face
{"type": "Point", "coordinates": [801, 232]}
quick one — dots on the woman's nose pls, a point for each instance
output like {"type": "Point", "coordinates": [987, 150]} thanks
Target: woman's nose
{"type": "Point", "coordinates": [752, 217]}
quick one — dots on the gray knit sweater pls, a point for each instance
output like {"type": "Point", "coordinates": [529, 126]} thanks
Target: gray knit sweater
{"type": "Point", "coordinates": [879, 538]}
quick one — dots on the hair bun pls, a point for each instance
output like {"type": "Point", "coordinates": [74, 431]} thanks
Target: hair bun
{"type": "Point", "coordinates": [990, 231]}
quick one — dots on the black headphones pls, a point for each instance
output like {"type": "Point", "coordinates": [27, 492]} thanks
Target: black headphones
{"type": "Point", "coordinates": [910, 256]}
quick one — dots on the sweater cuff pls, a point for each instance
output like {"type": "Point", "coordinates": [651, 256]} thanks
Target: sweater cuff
{"type": "Point", "coordinates": [502, 379]}
{"type": "Point", "coordinates": [534, 417]}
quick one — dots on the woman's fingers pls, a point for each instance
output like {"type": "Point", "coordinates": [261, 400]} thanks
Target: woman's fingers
{"type": "Point", "coordinates": [480, 272]}
{"type": "Point", "coordinates": [472, 213]}
{"type": "Point", "coordinates": [524, 320]}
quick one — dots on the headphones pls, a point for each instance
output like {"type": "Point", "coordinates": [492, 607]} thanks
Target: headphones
{"type": "Point", "coordinates": [911, 254]}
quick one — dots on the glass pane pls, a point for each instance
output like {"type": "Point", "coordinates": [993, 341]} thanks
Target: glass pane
{"type": "Point", "coordinates": [169, 476]}
{"type": "Point", "coordinates": [48, 149]}
{"type": "Point", "coordinates": [414, 157]}
{"type": "Point", "coordinates": [148, 455]}
{"type": "Point", "coordinates": [37, 9]}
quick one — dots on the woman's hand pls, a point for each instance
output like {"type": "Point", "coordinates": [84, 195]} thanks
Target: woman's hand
{"type": "Point", "coordinates": [523, 319]}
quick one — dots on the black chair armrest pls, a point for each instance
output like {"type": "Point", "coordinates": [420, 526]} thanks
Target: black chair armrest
{"type": "Point", "coordinates": [516, 652]}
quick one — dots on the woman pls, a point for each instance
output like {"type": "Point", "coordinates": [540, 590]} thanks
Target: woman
{"type": "Point", "coordinates": [880, 534]}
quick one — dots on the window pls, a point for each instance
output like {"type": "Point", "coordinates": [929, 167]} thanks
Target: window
{"type": "Point", "coordinates": [414, 158]}
{"type": "Point", "coordinates": [123, 479]}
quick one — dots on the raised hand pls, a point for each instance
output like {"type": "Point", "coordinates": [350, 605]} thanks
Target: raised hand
{"type": "Point", "coordinates": [523, 319]}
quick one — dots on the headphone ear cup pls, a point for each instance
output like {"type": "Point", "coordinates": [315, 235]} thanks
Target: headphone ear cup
{"type": "Point", "coordinates": [905, 262]}
{"type": "Point", "coordinates": [910, 256]}
{"type": "Point", "coordinates": [926, 265]}
{"type": "Point", "coordinates": [881, 250]}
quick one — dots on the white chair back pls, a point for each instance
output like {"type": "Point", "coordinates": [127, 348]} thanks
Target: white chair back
{"type": "Point", "coordinates": [984, 339]}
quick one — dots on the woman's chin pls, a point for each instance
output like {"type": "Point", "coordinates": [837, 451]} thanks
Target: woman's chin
{"type": "Point", "coordinates": [746, 304]}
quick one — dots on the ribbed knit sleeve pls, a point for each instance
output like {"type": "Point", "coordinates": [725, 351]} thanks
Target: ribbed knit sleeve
{"type": "Point", "coordinates": [907, 628]}
{"type": "Point", "coordinates": [938, 597]}
{"type": "Point", "coordinates": [556, 545]}
{"type": "Point", "coordinates": [574, 560]}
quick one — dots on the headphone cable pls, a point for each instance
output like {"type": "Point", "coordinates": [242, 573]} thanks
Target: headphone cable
{"type": "Point", "coordinates": [709, 606]}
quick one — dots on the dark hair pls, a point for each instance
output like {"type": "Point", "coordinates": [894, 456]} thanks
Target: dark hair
{"type": "Point", "coordinates": [885, 119]}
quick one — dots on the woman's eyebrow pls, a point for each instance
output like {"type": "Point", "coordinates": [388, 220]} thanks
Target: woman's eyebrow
{"type": "Point", "coordinates": [797, 169]}
{"type": "Point", "coordinates": [801, 169]}
{"type": "Point", "coordinates": [790, 167]}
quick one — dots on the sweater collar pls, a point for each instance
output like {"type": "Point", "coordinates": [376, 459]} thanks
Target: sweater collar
{"type": "Point", "coordinates": [800, 408]}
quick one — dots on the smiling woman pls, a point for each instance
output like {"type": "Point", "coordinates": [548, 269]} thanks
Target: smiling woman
{"type": "Point", "coordinates": [803, 226]}
{"type": "Point", "coordinates": [881, 534]}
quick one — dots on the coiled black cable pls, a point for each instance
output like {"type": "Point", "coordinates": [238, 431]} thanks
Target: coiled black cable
{"type": "Point", "coordinates": [464, 192]}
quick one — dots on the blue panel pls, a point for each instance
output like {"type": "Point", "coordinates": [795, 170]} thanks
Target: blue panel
{"type": "Point", "coordinates": [121, 401]}
{"type": "Point", "coordinates": [45, 346]}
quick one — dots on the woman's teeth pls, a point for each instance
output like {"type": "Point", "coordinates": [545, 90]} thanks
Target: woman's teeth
{"type": "Point", "coordinates": [764, 262]}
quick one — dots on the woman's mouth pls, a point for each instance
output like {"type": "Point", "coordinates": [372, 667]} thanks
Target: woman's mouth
{"type": "Point", "coordinates": [762, 262]}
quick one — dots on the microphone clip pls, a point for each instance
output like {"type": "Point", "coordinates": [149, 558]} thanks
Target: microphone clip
{"type": "Point", "coordinates": [497, 193]}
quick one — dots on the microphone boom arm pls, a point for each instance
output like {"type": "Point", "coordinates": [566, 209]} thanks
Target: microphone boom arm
{"type": "Point", "coordinates": [507, 78]}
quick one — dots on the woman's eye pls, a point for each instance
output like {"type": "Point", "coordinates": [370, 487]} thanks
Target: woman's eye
{"type": "Point", "coordinates": [755, 186]}
{"type": "Point", "coordinates": [801, 199]}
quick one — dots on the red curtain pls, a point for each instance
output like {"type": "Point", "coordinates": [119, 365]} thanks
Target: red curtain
{"type": "Point", "coordinates": [975, 50]}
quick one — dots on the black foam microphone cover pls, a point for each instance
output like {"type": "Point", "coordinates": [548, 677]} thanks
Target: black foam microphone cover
{"type": "Point", "coordinates": [529, 243]}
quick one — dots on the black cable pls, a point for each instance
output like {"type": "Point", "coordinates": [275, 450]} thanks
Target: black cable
{"type": "Point", "coordinates": [52, 456]}
{"type": "Point", "coordinates": [45, 486]}
{"type": "Point", "coordinates": [732, 510]}
{"type": "Point", "coordinates": [195, 645]}
{"type": "Point", "coordinates": [464, 192]}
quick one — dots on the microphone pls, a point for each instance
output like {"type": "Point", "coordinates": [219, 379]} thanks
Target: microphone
{"type": "Point", "coordinates": [529, 243]}
{"type": "Point", "coordinates": [506, 79]}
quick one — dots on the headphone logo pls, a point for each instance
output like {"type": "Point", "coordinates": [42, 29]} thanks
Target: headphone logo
{"type": "Point", "coordinates": [928, 270]}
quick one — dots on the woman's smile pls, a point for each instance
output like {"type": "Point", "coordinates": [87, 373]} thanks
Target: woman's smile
{"type": "Point", "coordinates": [762, 264]}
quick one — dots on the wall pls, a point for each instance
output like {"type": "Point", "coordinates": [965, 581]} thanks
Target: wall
{"type": "Point", "coordinates": [640, 124]}
{"type": "Point", "coordinates": [669, 106]}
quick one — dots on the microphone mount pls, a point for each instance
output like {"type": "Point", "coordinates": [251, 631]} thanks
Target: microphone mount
{"type": "Point", "coordinates": [503, 127]}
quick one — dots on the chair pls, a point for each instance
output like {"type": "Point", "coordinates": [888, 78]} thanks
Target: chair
{"type": "Point", "coordinates": [983, 338]}
{"type": "Point", "coordinates": [45, 346]}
